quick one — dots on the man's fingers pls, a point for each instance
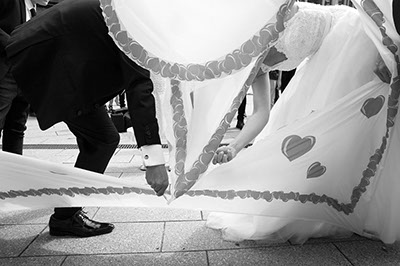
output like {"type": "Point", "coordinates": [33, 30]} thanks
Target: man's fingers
{"type": "Point", "coordinates": [225, 158]}
{"type": "Point", "coordinates": [159, 188]}
{"type": "Point", "coordinates": [161, 191]}
{"type": "Point", "coordinates": [383, 72]}
{"type": "Point", "coordinates": [388, 75]}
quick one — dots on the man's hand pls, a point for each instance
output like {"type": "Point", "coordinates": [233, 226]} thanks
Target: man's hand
{"type": "Point", "coordinates": [382, 71]}
{"type": "Point", "coordinates": [224, 154]}
{"type": "Point", "coordinates": [157, 178]}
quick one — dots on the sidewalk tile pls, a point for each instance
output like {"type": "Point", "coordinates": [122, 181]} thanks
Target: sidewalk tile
{"type": "Point", "coordinates": [117, 175]}
{"type": "Point", "coordinates": [32, 261]}
{"type": "Point", "coordinates": [137, 176]}
{"type": "Point", "coordinates": [126, 238]}
{"type": "Point", "coordinates": [119, 167]}
{"type": "Point", "coordinates": [26, 217]}
{"type": "Point", "coordinates": [151, 259]}
{"type": "Point", "coordinates": [370, 253]}
{"type": "Point", "coordinates": [324, 254]}
{"type": "Point", "coordinates": [194, 235]}
{"type": "Point", "coordinates": [42, 154]}
{"type": "Point", "coordinates": [50, 155]}
{"type": "Point", "coordinates": [40, 216]}
{"type": "Point", "coordinates": [15, 238]}
{"type": "Point", "coordinates": [145, 214]}
{"type": "Point", "coordinates": [122, 156]}
{"type": "Point", "coordinates": [321, 240]}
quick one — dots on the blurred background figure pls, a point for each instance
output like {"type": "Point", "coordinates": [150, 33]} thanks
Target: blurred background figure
{"type": "Point", "coordinates": [14, 108]}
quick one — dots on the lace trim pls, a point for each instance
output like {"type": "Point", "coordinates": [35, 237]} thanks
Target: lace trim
{"type": "Point", "coordinates": [303, 34]}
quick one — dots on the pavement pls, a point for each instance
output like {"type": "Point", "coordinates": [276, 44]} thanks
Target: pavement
{"type": "Point", "coordinates": [145, 236]}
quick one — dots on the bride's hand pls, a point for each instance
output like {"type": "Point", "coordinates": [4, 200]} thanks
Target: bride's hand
{"type": "Point", "coordinates": [224, 154]}
{"type": "Point", "coordinates": [382, 71]}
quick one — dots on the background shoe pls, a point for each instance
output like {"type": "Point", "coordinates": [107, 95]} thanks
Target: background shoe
{"type": "Point", "coordinates": [240, 124]}
{"type": "Point", "coordinates": [78, 225]}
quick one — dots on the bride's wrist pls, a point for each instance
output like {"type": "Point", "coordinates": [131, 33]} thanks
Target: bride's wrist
{"type": "Point", "coordinates": [233, 149]}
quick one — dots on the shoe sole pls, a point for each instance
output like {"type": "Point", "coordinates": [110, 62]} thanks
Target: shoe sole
{"type": "Point", "coordinates": [56, 232]}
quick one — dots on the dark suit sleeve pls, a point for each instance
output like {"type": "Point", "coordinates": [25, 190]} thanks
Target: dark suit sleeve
{"type": "Point", "coordinates": [4, 37]}
{"type": "Point", "coordinates": [396, 15]}
{"type": "Point", "coordinates": [141, 104]}
{"type": "Point", "coordinates": [4, 65]}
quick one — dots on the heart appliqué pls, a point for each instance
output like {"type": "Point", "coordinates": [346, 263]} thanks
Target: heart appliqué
{"type": "Point", "coordinates": [294, 146]}
{"type": "Point", "coordinates": [315, 170]}
{"type": "Point", "coordinates": [372, 106]}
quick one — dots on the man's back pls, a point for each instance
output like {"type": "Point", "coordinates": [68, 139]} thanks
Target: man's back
{"type": "Point", "coordinates": [67, 64]}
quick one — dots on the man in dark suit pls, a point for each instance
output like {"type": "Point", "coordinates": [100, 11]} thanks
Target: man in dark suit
{"type": "Point", "coordinates": [68, 67]}
{"type": "Point", "coordinates": [13, 106]}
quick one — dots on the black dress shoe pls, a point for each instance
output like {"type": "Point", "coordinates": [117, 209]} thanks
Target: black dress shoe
{"type": "Point", "coordinates": [78, 225]}
{"type": "Point", "coordinates": [240, 124]}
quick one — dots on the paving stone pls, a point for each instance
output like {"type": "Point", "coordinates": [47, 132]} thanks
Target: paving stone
{"type": "Point", "coordinates": [55, 158]}
{"type": "Point", "coordinates": [117, 175]}
{"type": "Point", "coordinates": [42, 154]}
{"type": "Point", "coordinates": [137, 176]}
{"type": "Point", "coordinates": [324, 254]}
{"type": "Point", "coordinates": [126, 238]}
{"type": "Point", "coordinates": [151, 259]}
{"type": "Point", "coordinates": [194, 235]}
{"type": "Point", "coordinates": [344, 238]}
{"type": "Point", "coordinates": [40, 216]}
{"type": "Point", "coordinates": [26, 217]}
{"type": "Point", "coordinates": [122, 168]}
{"type": "Point", "coordinates": [32, 261]}
{"type": "Point", "coordinates": [145, 214]}
{"type": "Point", "coordinates": [122, 156]}
{"type": "Point", "coordinates": [72, 152]}
{"type": "Point", "coordinates": [63, 132]}
{"type": "Point", "coordinates": [15, 238]}
{"type": "Point", "coordinates": [367, 253]}
{"type": "Point", "coordinates": [137, 160]}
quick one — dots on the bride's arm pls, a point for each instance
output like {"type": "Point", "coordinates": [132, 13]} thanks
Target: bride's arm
{"type": "Point", "coordinates": [255, 123]}
{"type": "Point", "coordinates": [381, 70]}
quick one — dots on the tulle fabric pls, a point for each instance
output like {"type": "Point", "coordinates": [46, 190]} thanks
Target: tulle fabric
{"type": "Point", "coordinates": [208, 53]}
{"type": "Point", "coordinates": [340, 177]}
{"type": "Point", "coordinates": [239, 227]}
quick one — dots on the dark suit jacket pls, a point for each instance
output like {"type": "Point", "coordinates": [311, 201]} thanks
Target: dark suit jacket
{"type": "Point", "coordinates": [66, 64]}
{"type": "Point", "coordinates": [12, 14]}
{"type": "Point", "coordinates": [396, 14]}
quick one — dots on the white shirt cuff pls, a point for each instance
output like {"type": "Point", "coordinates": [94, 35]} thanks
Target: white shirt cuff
{"type": "Point", "coordinates": [152, 155]}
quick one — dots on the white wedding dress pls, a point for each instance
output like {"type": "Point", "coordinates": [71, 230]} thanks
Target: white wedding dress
{"type": "Point", "coordinates": [323, 108]}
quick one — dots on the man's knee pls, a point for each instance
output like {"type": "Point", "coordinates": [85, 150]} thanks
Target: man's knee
{"type": "Point", "coordinates": [112, 140]}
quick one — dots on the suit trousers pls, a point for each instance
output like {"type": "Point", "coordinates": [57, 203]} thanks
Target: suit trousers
{"type": "Point", "coordinates": [97, 140]}
{"type": "Point", "coordinates": [13, 115]}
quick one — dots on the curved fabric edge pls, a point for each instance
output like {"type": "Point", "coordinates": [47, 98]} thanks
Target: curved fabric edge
{"type": "Point", "coordinates": [225, 65]}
